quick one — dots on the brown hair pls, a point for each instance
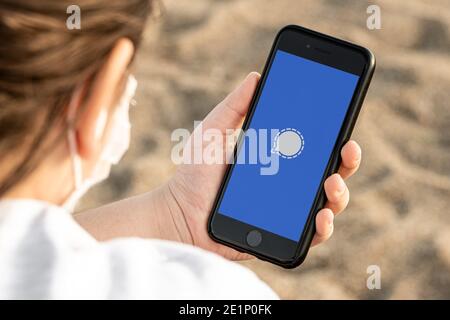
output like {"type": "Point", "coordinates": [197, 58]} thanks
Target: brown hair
{"type": "Point", "coordinates": [42, 62]}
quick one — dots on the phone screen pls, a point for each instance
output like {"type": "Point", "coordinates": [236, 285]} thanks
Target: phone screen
{"type": "Point", "coordinates": [301, 108]}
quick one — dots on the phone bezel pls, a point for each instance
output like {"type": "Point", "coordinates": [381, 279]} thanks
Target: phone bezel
{"type": "Point", "coordinates": [326, 50]}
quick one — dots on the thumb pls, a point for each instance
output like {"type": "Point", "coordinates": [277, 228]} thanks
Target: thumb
{"type": "Point", "coordinates": [229, 113]}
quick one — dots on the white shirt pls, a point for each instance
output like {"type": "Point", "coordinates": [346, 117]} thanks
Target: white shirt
{"type": "Point", "coordinates": [45, 254]}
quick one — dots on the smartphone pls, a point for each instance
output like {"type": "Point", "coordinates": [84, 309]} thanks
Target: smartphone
{"type": "Point", "coordinates": [303, 112]}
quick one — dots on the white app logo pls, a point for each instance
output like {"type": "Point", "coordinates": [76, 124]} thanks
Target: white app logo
{"type": "Point", "coordinates": [288, 143]}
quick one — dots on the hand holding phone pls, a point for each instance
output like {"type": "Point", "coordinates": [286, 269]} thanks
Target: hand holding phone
{"type": "Point", "coordinates": [309, 98]}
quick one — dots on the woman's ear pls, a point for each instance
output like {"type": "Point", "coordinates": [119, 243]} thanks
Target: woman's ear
{"type": "Point", "coordinates": [103, 90]}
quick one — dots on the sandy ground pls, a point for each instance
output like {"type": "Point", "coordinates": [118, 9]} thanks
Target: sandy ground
{"type": "Point", "coordinates": [398, 217]}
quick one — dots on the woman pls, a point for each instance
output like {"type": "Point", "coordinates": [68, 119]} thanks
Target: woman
{"type": "Point", "coordinates": [64, 97]}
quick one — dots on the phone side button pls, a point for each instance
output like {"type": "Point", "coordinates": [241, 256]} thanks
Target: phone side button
{"type": "Point", "coordinates": [254, 238]}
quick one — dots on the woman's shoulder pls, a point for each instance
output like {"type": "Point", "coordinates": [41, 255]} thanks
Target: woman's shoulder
{"type": "Point", "coordinates": [177, 270]}
{"type": "Point", "coordinates": [50, 256]}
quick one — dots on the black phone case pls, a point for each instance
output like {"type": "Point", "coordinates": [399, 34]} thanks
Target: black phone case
{"type": "Point", "coordinates": [335, 159]}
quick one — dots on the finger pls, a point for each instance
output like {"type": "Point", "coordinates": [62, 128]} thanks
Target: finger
{"type": "Point", "coordinates": [351, 159]}
{"type": "Point", "coordinates": [230, 253]}
{"type": "Point", "coordinates": [324, 226]}
{"type": "Point", "coordinates": [242, 257]}
{"type": "Point", "coordinates": [229, 113]}
{"type": "Point", "coordinates": [337, 193]}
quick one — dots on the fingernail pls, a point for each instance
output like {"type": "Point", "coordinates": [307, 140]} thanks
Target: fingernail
{"type": "Point", "coordinates": [330, 219]}
{"type": "Point", "coordinates": [340, 187]}
{"type": "Point", "coordinates": [358, 153]}
{"type": "Point", "coordinates": [252, 74]}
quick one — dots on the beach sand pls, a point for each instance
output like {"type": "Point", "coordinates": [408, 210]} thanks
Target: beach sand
{"type": "Point", "coordinates": [398, 217]}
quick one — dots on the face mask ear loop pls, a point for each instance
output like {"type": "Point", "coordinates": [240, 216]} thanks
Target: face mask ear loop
{"type": "Point", "coordinates": [77, 171]}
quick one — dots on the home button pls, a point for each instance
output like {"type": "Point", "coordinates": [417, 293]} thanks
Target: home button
{"type": "Point", "coordinates": [254, 238]}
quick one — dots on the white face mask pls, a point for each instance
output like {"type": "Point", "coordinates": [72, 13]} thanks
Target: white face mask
{"type": "Point", "coordinates": [117, 144]}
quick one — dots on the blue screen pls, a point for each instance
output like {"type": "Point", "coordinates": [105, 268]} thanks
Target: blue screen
{"type": "Point", "coordinates": [313, 99]}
